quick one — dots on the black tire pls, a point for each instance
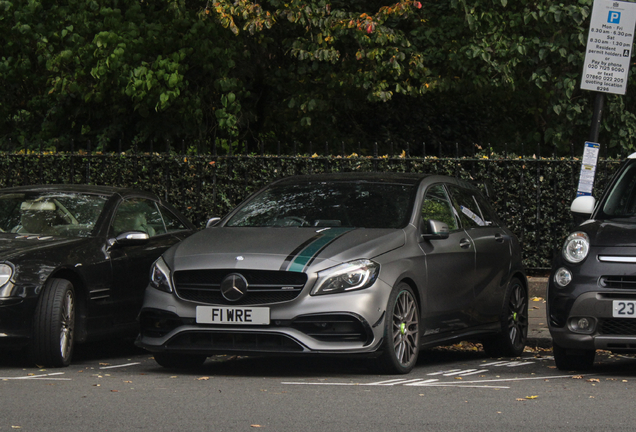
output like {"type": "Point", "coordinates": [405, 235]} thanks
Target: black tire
{"type": "Point", "coordinates": [401, 343]}
{"type": "Point", "coordinates": [54, 325]}
{"type": "Point", "coordinates": [511, 340]}
{"type": "Point", "coordinates": [179, 361]}
{"type": "Point", "coordinates": [580, 360]}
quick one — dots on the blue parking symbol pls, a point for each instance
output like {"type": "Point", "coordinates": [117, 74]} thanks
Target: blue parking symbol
{"type": "Point", "coordinates": [614, 17]}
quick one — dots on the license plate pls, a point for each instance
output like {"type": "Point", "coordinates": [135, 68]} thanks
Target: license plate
{"type": "Point", "coordinates": [624, 309]}
{"type": "Point", "coordinates": [232, 315]}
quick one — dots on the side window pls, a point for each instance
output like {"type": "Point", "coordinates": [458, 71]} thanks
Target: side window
{"type": "Point", "coordinates": [437, 206]}
{"type": "Point", "coordinates": [138, 215]}
{"type": "Point", "coordinates": [466, 207]}
{"type": "Point", "coordinates": [488, 214]}
{"type": "Point", "coordinates": [172, 223]}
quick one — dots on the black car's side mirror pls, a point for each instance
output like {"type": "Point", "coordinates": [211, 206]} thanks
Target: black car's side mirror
{"type": "Point", "coordinates": [212, 221]}
{"type": "Point", "coordinates": [433, 229]}
{"type": "Point", "coordinates": [130, 238]}
{"type": "Point", "coordinates": [582, 208]}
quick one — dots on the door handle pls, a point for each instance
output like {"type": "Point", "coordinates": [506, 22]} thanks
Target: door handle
{"type": "Point", "coordinates": [499, 238]}
{"type": "Point", "coordinates": [464, 243]}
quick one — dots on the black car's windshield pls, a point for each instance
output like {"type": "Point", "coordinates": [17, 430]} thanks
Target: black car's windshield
{"type": "Point", "coordinates": [347, 204]}
{"type": "Point", "coordinates": [621, 199]}
{"type": "Point", "coordinates": [60, 214]}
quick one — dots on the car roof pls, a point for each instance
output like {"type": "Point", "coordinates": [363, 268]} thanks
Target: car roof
{"type": "Point", "coordinates": [410, 178]}
{"type": "Point", "coordinates": [86, 189]}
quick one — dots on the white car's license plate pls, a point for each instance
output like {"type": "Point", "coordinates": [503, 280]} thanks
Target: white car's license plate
{"type": "Point", "coordinates": [232, 315]}
{"type": "Point", "coordinates": [624, 309]}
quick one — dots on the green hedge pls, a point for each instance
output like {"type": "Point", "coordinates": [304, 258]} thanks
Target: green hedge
{"type": "Point", "coordinates": [532, 195]}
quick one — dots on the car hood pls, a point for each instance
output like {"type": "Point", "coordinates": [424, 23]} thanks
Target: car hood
{"type": "Point", "coordinates": [287, 249]}
{"type": "Point", "coordinates": [611, 233]}
{"type": "Point", "coordinates": [17, 245]}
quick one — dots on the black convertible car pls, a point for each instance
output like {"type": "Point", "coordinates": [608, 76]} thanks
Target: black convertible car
{"type": "Point", "coordinates": [74, 263]}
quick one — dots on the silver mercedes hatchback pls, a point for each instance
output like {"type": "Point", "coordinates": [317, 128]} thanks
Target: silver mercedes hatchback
{"type": "Point", "coordinates": [377, 265]}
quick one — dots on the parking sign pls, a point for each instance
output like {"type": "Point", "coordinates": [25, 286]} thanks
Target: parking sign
{"type": "Point", "coordinates": [609, 47]}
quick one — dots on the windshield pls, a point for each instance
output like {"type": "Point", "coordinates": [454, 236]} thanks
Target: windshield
{"type": "Point", "coordinates": [621, 200]}
{"type": "Point", "coordinates": [60, 214]}
{"type": "Point", "coordinates": [329, 204]}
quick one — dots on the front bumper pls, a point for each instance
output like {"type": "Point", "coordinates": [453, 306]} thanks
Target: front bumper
{"type": "Point", "coordinates": [590, 297]}
{"type": "Point", "coordinates": [16, 316]}
{"type": "Point", "coordinates": [346, 323]}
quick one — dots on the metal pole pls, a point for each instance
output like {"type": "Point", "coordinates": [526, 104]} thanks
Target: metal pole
{"type": "Point", "coordinates": [596, 117]}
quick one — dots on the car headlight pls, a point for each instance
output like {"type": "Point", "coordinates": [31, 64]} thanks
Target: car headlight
{"type": "Point", "coordinates": [6, 271]}
{"type": "Point", "coordinates": [160, 276]}
{"type": "Point", "coordinates": [576, 247]}
{"type": "Point", "coordinates": [349, 276]}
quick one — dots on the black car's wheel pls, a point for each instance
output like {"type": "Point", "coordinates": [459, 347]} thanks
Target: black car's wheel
{"type": "Point", "coordinates": [179, 361]}
{"type": "Point", "coordinates": [511, 341]}
{"type": "Point", "coordinates": [581, 360]}
{"type": "Point", "coordinates": [401, 344]}
{"type": "Point", "coordinates": [54, 324]}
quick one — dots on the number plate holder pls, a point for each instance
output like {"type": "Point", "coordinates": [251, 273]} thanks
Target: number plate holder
{"type": "Point", "coordinates": [624, 309]}
{"type": "Point", "coordinates": [232, 315]}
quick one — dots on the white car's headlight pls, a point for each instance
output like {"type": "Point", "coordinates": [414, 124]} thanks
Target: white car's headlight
{"type": "Point", "coordinates": [160, 276]}
{"type": "Point", "coordinates": [576, 247]}
{"type": "Point", "coordinates": [350, 276]}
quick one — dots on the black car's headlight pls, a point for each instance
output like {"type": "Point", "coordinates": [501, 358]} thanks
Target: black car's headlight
{"type": "Point", "coordinates": [6, 271]}
{"type": "Point", "coordinates": [576, 247]}
{"type": "Point", "coordinates": [349, 276]}
{"type": "Point", "coordinates": [160, 276]}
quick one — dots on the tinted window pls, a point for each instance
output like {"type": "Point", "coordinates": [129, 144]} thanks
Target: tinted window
{"type": "Point", "coordinates": [60, 214]}
{"type": "Point", "coordinates": [621, 200]}
{"type": "Point", "coordinates": [138, 215]}
{"type": "Point", "coordinates": [171, 222]}
{"type": "Point", "coordinates": [466, 207]}
{"type": "Point", "coordinates": [436, 205]}
{"type": "Point", "coordinates": [349, 204]}
{"type": "Point", "coordinates": [488, 214]}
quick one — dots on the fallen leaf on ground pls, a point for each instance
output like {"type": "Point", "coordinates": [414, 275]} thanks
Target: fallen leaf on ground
{"type": "Point", "coordinates": [537, 299]}
{"type": "Point", "coordinates": [203, 378]}
{"type": "Point", "coordinates": [531, 397]}
{"type": "Point", "coordinates": [594, 380]}
{"type": "Point", "coordinates": [577, 377]}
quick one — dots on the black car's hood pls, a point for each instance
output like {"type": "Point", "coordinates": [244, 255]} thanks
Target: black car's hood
{"type": "Point", "coordinates": [18, 245]}
{"type": "Point", "coordinates": [293, 249]}
{"type": "Point", "coordinates": [619, 233]}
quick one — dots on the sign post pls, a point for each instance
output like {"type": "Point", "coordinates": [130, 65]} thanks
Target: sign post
{"type": "Point", "coordinates": [606, 68]}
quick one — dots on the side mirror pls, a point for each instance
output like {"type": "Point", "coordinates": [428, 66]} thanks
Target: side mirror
{"type": "Point", "coordinates": [129, 238]}
{"type": "Point", "coordinates": [212, 222]}
{"type": "Point", "coordinates": [583, 205]}
{"type": "Point", "coordinates": [434, 230]}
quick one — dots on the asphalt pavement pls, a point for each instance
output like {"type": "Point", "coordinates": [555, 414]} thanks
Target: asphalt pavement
{"type": "Point", "coordinates": [538, 333]}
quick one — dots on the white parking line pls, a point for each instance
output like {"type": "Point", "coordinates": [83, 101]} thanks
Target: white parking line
{"type": "Point", "coordinates": [444, 372]}
{"type": "Point", "coordinates": [38, 377]}
{"type": "Point", "coordinates": [119, 366]}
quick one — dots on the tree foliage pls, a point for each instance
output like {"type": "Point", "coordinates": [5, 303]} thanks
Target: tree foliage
{"type": "Point", "coordinates": [344, 71]}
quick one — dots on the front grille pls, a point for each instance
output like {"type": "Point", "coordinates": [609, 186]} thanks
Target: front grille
{"type": "Point", "coordinates": [264, 287]}
{"type": "Point", "coordinates": [619, 282]}
{"type": "Point", "coordinates": [233, 342]}
{"type": "Point", "coordinates": [617, 326]}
